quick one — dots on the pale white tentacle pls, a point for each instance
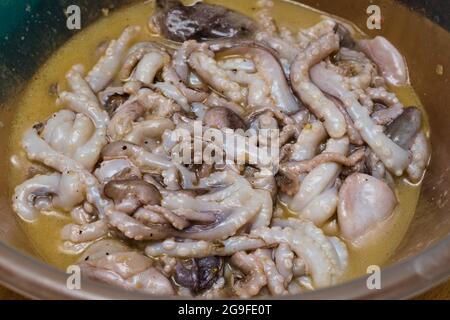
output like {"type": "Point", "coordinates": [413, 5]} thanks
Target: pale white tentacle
{"type": "Point", "coordinates": [307, 91]}
{"type": "Point", "coordinates": [394, 157]}
{"type": "Point", "coordinates": [108, 65]}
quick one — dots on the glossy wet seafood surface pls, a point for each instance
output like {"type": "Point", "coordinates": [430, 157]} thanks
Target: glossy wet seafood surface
{"type": "Point", "coordinates": [98, 180]}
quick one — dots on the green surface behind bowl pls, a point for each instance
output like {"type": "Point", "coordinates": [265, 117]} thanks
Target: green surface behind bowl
{"type": "Point", "coordinates": [30, 30]}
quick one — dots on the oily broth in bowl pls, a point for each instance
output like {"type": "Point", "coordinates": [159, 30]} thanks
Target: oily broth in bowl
{"type": "Point", "coordinates": [37, 102]}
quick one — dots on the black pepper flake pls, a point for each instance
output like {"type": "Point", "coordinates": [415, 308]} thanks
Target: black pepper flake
{"type": "Point", "coordinates": [38, 126]}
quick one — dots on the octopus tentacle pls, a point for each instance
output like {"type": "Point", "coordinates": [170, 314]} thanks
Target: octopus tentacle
{"type": "Point", "coordinates": [170, 76]}
{"type": "Point", "coordinates": [321, 177]}
{"type": "Point", "coordinates": [37, 149]}
{"type": "Point", "coordinates": [308, 142]}
{"type": "Point", "coordinates": [148, 129]}
{"type": "Point", "coordinates": [45, 192]}
{"type": "Point", "coordinates": [272, 73]}
{"type": "Point", "coordinates": [236, 219]}
{"type": "Point", "coordinates": [395, 107]}
{"type": "Point", "coordinates": [420, 157]}
{"type": "Point", "coordinates": [322, 107]}
{"type": "Point", "coordinates": [105, 69]}
{"type": "Point", "coordinates": [202, 249]}
{"type": "Point", "coordinates": [255, 277]}
{"type": "Point", "coordinates": [84, 233]}
{"type": "Point", "coordinates": [89, 153]}
{"type": "Point", "coordinates": [275, 281]}
{"type": "Point", "coordinates": [116, 264]}
{"type": "Point", "coordinates": [300, 167]}
{"type": "Point", "coordinates": [394, 157]}
{"type": "Point", "coordinates": [352, 132]}
{"type": "Point", "coordinates": [389, 60]}
{"type": "Point", "coordinates": [322, 207]}
{"type": "Point", "coordinates": [284, 260]}
{"type": "Point", "coordinates": [207, 68]}
{"type": "Point", "coordinates": [308, 242]}
{"type": "Point", "coordinates": [133, 229]}
{"type": "Point", "coordinates": [149, 65]}
{"type": "Point", "coordinates": [136, 54]}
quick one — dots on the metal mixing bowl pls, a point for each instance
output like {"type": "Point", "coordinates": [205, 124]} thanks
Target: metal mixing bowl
{"type": "Point", "coordinates": [31, 30]}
